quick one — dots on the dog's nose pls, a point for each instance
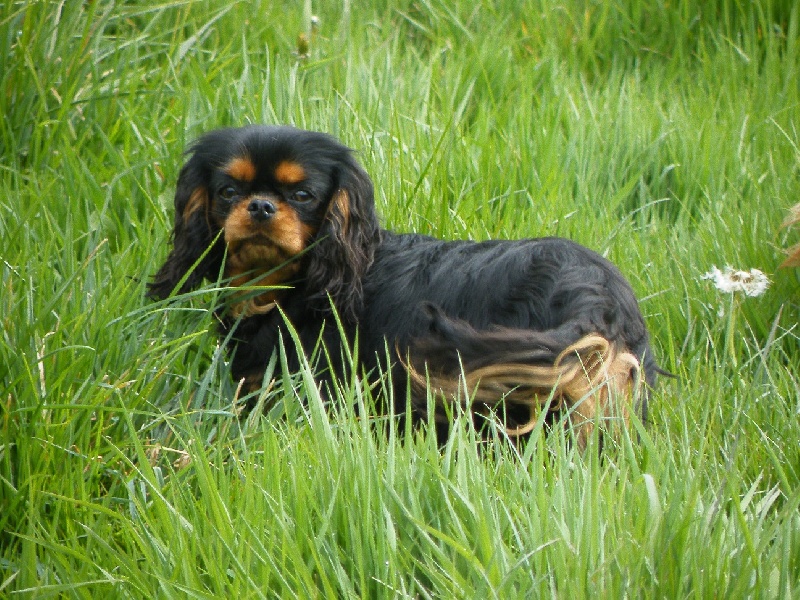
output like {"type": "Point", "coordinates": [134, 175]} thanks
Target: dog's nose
{"type": "Point", "coordinates": [260, 209]}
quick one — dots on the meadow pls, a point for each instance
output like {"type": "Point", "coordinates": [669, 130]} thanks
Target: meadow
{"type": "Point", "coordinates": [662, 134]}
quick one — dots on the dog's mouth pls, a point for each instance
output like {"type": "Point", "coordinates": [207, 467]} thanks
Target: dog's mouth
{"type": "Point", "coordinates": [256, 252]}
{"type": "Point", "coordinates": [256, 262]}
{"type": "Point", "coordinates": [289, 240]}
{"type": "Point", "coordinates": [253, 236]}
{"type": "Point", "coordinates": [256, 239]}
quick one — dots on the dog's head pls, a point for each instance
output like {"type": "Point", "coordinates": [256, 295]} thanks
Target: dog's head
{"type": "Point", "coordinates": [276, 206]}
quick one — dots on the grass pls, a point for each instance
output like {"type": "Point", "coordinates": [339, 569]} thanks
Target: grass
{"type": "Point", "coordinates": [662, 134]}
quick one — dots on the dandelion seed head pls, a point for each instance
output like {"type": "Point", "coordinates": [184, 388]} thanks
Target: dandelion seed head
{"type": "Point", "coordinates": [729, 281]}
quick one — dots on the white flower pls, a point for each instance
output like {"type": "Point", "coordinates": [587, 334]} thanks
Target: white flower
{"type": "Point", "coordinates": [752, 282]}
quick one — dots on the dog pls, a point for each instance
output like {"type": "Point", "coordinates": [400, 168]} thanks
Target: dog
{"type": "Point", "coordinates": [511, 330]}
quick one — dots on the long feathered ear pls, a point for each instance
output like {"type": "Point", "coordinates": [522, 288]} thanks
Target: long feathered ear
{"type": "Point", "coordinates": [191, 236]}
{"type": "Point", "coordinates": [345, 244]}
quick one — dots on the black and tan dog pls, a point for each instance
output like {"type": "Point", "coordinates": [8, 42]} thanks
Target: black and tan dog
{"type": "Point", "coordinates": [516, 324]}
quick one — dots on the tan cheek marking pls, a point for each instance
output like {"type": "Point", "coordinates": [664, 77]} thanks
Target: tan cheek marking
{"type": "Point", "coordinates": [291, 233]}
{"type": "Point", "coordinates": [263, 263]}
{"type": "Point", "coordinates": [241, 168]}
{"type": "Point", "coordinates": [238, 225]}
{"type": "Point", "coordinates": [197, 200]}
{"type": "Point", "coordinates": [287, 233]}
{"type": "Point", "coordinates": [289, 173]}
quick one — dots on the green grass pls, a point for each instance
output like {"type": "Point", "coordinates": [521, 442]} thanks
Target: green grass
{"type": "Point", "coordinates": [663, 134]}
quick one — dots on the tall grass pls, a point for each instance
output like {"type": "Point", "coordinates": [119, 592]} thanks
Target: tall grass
{"type": "Point", "coordinates": [662, 134]}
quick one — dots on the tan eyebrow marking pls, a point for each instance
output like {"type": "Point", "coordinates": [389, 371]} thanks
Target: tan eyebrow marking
{"type": "Point", "coordinates": [241, 168]}
{"type": "Point", "coordinates": [289, 172]}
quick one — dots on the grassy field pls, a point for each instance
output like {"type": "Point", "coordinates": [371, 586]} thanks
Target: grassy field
{"type": "Point", "coordinates": [663, 134]}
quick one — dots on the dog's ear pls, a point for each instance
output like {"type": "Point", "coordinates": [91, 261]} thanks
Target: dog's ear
{"type": "Point", "coordinates": [192, 235]}
{"type": "Point", "coordinates": [345, 244]}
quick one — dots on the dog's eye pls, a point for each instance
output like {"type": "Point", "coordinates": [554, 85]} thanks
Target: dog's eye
{"type": "Point", "coordinates": [302, 196]}
{"type": "Point", "coordinates": [228, 192]}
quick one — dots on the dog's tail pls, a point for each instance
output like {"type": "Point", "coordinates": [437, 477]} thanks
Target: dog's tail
{"type": "Point", "coordinates": [517, 373]}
